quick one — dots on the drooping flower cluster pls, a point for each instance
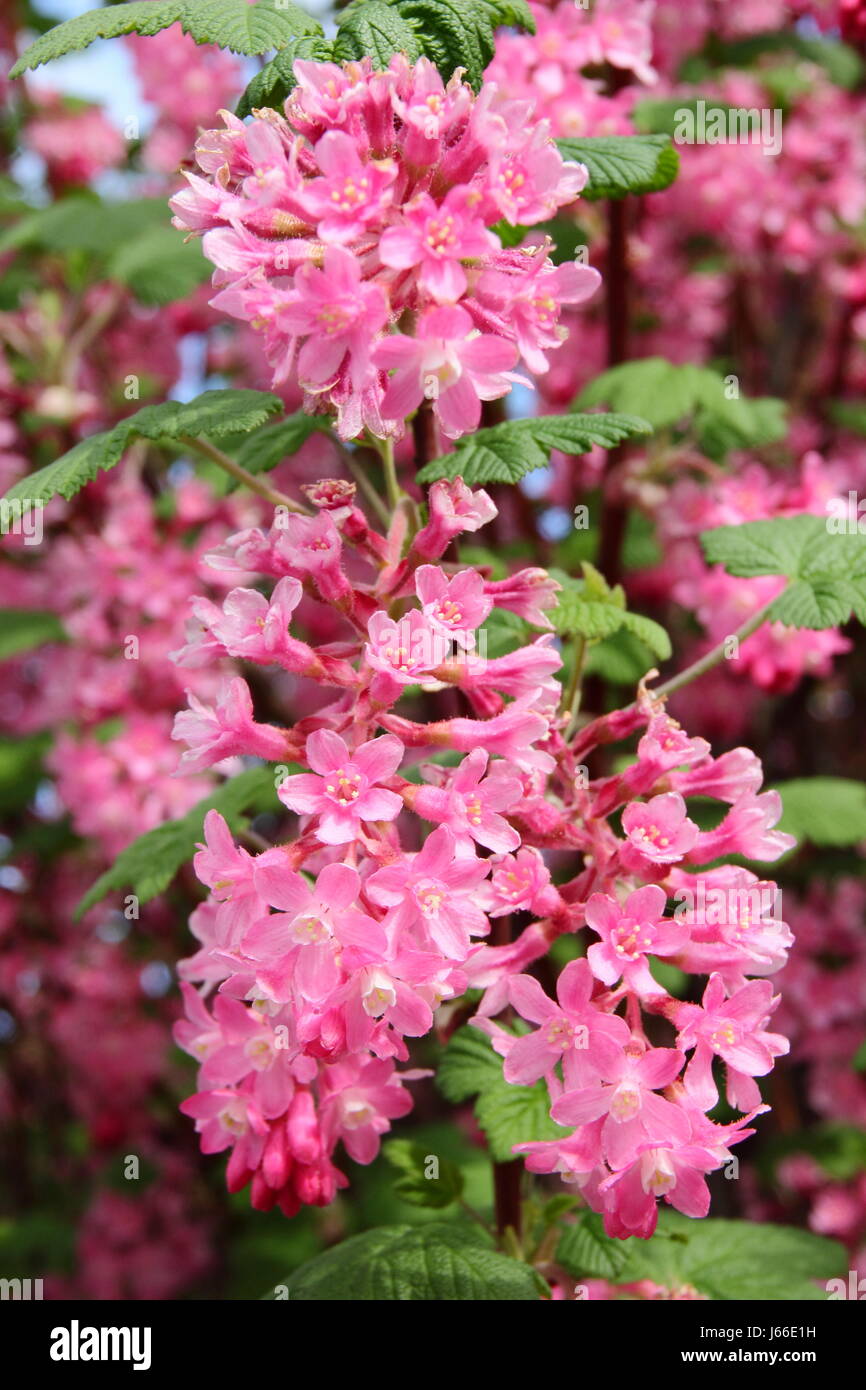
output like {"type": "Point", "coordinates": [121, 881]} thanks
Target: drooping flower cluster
{"type": "Point", "coordinates": [331, 950]}
{"type": "Point", "coordinates": [357, 235]}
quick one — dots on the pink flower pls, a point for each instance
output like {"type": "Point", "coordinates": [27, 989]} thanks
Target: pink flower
{"type": "Point", "coordinates": [453, 508]}
{"type": "Point", "coordinates": [448, 362]}
{"type": "Point", "coordinates": [406, 650]}
{"type": "Point", "coordinates": [635, 1115]}
{"type": "Point", "coordinates": [659, 829]}
{"type": "Point", "coordinates": [732, 1029]}
{"type": "Point", "coordinates": [298, 945]}
{"type": "Point", "coordinates": [586, 1041]}
{"type": "Point", "coordinates": [433, 891]}
{"type": "Point", "coordinates": [256, 628]}
{"type": "Point", "coordinates": [470, 804]}
{"type": "Point", "coordinates": [528, 300]}
{"type": "Point", "coordinates": [527, 593]}
{"type": "Point", "coordinates": [519, 882]}
{"type": "Point", "coordinates": [629, 934]}
{"type": "Point", "coordinates": [226, 730]}
{"type": "Point", "coordinates": [359, 1099]}
{"type": "Point", "coordinates": [351, 194]}
{"type": "Point", "coordinates": [747, 829]}
{"type": "Point", "coordinates": [436, 239]}
{"type": "Point", "coordinates": [530, 182]}
{"type": "Point", "coordinates": [456, 606]}
{"type": "Point", "coordinates": [345, 792]}
{"type": "Point", "coordinates": [340, 313]}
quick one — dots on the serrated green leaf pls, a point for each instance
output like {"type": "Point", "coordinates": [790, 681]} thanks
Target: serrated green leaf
{"type": "Point", "coordinates": [583, 609]}
{"type": "Point", "coordinates": [584, 1250]}
{"type": "Point", "coordinates": [506, 453]}
{"type": "Point", "coordinates": [829, 811]}
{"type": "Point", "coordinates": [276, 81]}
{"type": "Point", "coordinates": [148, 865]}
{"type": "Point", "coordinates": [623, 164]}
{"type": "Point", "coordinates": [827, 569]}
{"type": "Point", "coordinates": [439, 1262]}
{"type": "Point", "coordinates": [733, 1260]}
{"type": "Point", "coordinates": [268, 446]}
{"type": "Point", "coordinates": [452, 34]}
{"type": "Point", "coordinates": [234, 24]}
{"type": "Point", "coordinates": [374, 30]}
{"type": "Point", "coordinates": [22, 629]}
{"type": "Point", "coordinates": [213, 413]}
{"type": "Point", "coordinates": [442, 1188]}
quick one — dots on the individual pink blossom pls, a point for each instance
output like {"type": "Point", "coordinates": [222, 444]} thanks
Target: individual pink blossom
{"type": "Point", "coordinates": [635, 1115]}
{"type": "Point", "coordinates": [733, 1029]}
{"type": "Point", "coordinates": [629, 933]}
{"type": "Point", "coordinates": [434, 891]}
{"type": "Point", "coordinates": [350, 194]}
{"type": "Point", "coordinates": [470, 803]}
{"type": "Point", "coordinates": [454, 508]}
{"type": "Point", "coordinates": [456, 606]}
{"type": "Point", "coordinates": [225, 730]}
{"type": "Point", "coordinates": [449, 363]}
{"type": "Point", "coordinates": [406, 650]}
{"type": "Point", "coordinates": [342, 791]}
{"type": "Point", "coordinates": [588, 1042]}
{"type": "Point", "coordinates": [435, 239]}
{"type": "Point", "coordinates": [337, 314]}
{"type": "Point", "coordinates": [659, 829]}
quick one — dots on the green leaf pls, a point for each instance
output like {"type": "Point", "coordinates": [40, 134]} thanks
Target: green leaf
{"type": "Point", "coordinates": [732, 1260]}
{"type": "Point", "coordinates": [620, 659]}
{"type": "Point", "coordinates": [148, 865]}
{"type": "Point", "coordinates": [214, 413]}
{"type": "Point", "coordinates": [276, 81]}
{"type": "Point", "coordinates": [21, 629]}
{"type": "Point", "coordinates": [827, 569]}
{"type": "Point", "coordinates": [158, 266]}
{"type": "Point", "coordinates": [414, 1186]}
{"type": "Point", "coordinates": [839, 1149]}
{"type": "Point", "coordinates": [83, 222]}
{"type": "Point", "coordinates": [506, 453]}
{"type": "Point", "coordinates": [439, 1262]}
{"type": "Point", "coordinates": [589, 608]}
{"type": "Point", "coordinates": [829, 811]}
{"type": "Point", "coordinates": [667, 394]}
{"type": "Point", "coordinates": [508, 1114]}
{"type": "Point", "coordinates": [850, 414]}
{"type": "Point", "coordinates": [235, 24]}
{"type": "Point", "coordinates": [623, 164]}
{"type": "Point", "coordinates": [584, 1250]}
{"type": "Point", "coordinates": [659, 115]}
{"type": "Point", "coordinates": [452, 33]}
{"type": "Point", "coordinates": [266, 447]}
{"type": "Point", "coordinates": [374, 30]}
{"type": "Point", "coordinates": [21, 769]}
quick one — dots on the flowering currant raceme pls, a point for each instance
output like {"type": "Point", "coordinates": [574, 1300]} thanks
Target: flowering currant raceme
{"type": "Point", "coordinates": [357, 234]}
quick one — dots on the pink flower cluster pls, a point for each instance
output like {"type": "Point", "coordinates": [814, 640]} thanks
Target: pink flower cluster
{"type": "Point", "coordinates": [330, 950]}
{"type": "Point", "coordinates": [357, 235]}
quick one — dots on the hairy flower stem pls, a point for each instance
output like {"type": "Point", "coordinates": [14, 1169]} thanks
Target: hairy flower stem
{"type": "Point", "coordinates": [392, 487]}
{"type": "Point", "coordinates": [717, 655]}
{"type": "Point", "coordinates": [270, 494]}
